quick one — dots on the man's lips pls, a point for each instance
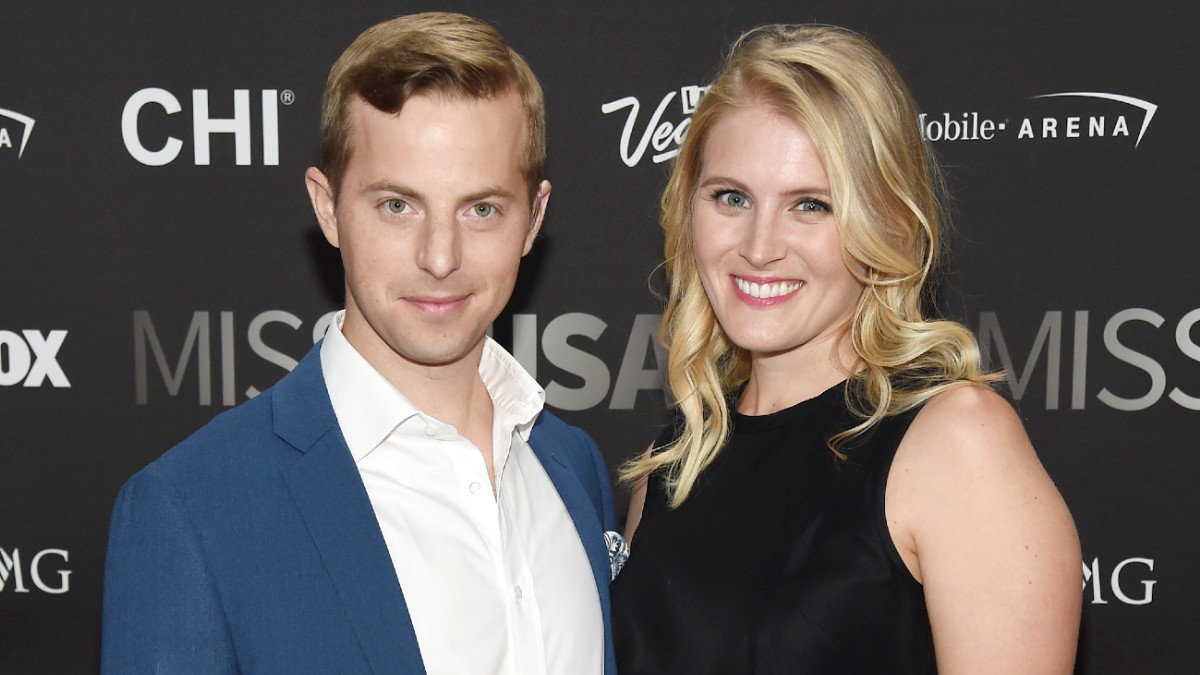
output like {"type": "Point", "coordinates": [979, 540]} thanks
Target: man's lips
{"type": "Point", "coordinates": [438, 305]}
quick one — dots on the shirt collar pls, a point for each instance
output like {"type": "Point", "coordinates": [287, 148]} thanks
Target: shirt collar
{"type": "Point", "coordinates": [516, 397]}
{"type": "Point", "coordinates": [369, 408]}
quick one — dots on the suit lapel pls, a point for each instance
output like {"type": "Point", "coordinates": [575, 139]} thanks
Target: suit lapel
{"type": "Point", "coordinates": [328, 491]}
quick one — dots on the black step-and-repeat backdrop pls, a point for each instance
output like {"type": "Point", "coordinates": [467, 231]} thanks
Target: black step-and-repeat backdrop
{"type": "Point", "coordinates": [160, 263]}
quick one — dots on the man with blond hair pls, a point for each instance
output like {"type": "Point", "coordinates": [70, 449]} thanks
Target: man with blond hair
{"type": "Point", "coordinates": [399, 502]}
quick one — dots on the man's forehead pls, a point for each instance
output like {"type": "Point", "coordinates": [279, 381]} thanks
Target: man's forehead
{"type": "Point", "coordinates": [502, 118]}
{"type": "Point", "coordinates": [440, 147]}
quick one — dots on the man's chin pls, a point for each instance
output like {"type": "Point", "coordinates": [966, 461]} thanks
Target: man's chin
{"type": "Point", "coordinates": [439, 351]}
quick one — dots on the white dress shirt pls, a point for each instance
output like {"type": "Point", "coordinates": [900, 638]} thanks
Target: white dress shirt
{"type": "Point", "coordinates": [494, 583]}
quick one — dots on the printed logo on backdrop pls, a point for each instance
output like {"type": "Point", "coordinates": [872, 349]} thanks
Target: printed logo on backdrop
{"type": "Point", "coordinates": [1129, 581]}
{"type": "Point", "coordinates": [662, 132]}
{"type": "Point", "coordinates": [44, 570]}
{"type": "Point", "coordinates": [1060, 116]}
{"type": "Point", "coordinates": [1048, 354]}
{"type": "Point", "coordinates": [30, 358]}
{"type": "Point", "coordinates": [214, 342]}
{"type": "Point", "coordinates": [15, 130]}
{"type": "Point", "coordinates": [155, 150]}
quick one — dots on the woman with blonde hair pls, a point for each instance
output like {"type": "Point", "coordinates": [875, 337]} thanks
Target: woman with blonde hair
{"type": "Point", "coordinates": [843, 491]}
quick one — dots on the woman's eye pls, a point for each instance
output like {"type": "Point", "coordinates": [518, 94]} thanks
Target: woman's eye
{"type": "Point", "coordinates": [812, 205]}
{"type": "Point", "coordinates": [483, 210]}
{"type": "Point", "coordinates": [396, 205]}
{"type": "Point", "coordinates": [731, 198]}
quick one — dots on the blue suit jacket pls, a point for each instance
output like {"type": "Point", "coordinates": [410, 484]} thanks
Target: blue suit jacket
{"type": "Point", "coordinates": [252, 546]}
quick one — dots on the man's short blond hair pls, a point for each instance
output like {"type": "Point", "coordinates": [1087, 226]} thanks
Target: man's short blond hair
{"type": "Point", "coordinates": [430, 53]}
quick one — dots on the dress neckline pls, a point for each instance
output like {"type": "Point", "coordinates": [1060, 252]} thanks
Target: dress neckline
{"type": "Point", "coordinates": [820, 405]}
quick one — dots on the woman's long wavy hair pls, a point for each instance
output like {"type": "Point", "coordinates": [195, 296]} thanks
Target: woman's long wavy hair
{"type": "Point", "coordinates": [885, 190]}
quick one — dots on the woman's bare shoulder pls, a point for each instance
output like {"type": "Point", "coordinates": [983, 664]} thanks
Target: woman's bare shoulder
{"type": "Point", "coordinates": [983, 527]}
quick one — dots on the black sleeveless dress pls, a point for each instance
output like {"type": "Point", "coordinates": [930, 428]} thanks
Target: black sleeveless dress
{"type": "Point", "coordinates": [779, 562]}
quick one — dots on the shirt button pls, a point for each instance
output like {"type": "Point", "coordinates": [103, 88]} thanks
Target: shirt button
{"type": "Point", "coordinates": [475, 487]}
{"type": "Point", "coordinates": [430, 431]}
{"type": "Point", "coordinates": [517, 592]}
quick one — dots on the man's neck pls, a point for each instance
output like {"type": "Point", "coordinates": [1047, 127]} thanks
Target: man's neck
{"type": "Point", "coordinates": [452, 392]}
{"type": "Point", "coordinates": [449, 392]}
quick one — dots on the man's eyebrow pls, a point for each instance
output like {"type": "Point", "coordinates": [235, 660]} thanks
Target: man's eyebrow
{"type": "Point", "coordinates": [490, 192]}
{"type": "Point", "coordinates": [493, 192]}
{"type": "Point", "coordinates": [387, 186]}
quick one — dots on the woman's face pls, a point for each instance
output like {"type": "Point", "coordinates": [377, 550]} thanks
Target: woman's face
{"type": "Point", "coordinates": [766, 239]}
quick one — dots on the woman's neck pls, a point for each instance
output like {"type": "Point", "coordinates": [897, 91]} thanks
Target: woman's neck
{"type": "Point", "coordinates": [781, 380]}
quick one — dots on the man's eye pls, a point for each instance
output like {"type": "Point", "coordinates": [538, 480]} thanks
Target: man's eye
{"type": "Point", "coordinates": [483, 210]}
{"type": "Point", "coordinates": [396, 205]}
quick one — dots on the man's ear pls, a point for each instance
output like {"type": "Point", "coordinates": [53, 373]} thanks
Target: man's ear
{"type": "Point", "coordinates": [321, 195]}
{"type": "Point", "coordinates": [536, 214]}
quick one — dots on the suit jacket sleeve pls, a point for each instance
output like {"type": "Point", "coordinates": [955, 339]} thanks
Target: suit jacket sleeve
{"type": "Point", "coordinates": [162, 613]}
